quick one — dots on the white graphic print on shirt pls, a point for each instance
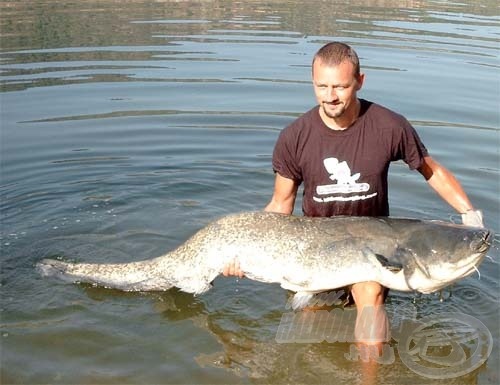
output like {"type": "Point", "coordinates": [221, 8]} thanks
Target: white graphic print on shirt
{"type": "Point", "coordinates": [346, 183]}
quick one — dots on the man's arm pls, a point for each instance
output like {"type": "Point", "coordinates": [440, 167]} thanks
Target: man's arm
{"type": "Point", "coordinates": [282, 201]}
{"type": "Point", "coordinates": [448, 188]}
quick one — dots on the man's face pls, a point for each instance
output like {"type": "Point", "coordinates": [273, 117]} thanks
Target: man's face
{"type": "Point", "coordinates": [336, 87]}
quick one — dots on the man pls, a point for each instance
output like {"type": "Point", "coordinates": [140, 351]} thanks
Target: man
{"type": "Point", "coordinates": [341, 150]}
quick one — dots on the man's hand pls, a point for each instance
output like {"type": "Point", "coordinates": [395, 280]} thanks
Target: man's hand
{"type": "Point", "coordinates": [473, 218]}
{"type": "Point", "coordinates": [233, 268]}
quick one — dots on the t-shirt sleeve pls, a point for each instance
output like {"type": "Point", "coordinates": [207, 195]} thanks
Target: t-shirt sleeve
{"type": "Point", "coordinates": [285, 157]}
{"type": "Point", "coordinates": [410, 147]}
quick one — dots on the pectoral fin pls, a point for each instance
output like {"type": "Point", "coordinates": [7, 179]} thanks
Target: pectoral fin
{"type": "Point", "coordinates": [392, 266]}
{"type": "Point", "coordinates": [378, 259]}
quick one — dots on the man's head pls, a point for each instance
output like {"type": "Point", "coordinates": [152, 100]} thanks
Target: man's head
{"type": "Point", "coordinates": [334, 53]}
{"type": "Point", "coordinates": [336, 79]}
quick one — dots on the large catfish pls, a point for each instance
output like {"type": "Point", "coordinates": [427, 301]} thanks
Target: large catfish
{"type": "Point", "coordinates": [305, 255]}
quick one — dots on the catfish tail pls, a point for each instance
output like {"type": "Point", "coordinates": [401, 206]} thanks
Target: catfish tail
{"type": "Point", "coordinates": [134, 276]}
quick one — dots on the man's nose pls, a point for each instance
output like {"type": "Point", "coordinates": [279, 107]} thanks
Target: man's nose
{"type": "Point", "coordinates": [331, 94]}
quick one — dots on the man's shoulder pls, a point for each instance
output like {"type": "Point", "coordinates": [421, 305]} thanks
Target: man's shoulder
{"type": "Point", "coordinates": [381, 113]}
{"type": "Point", "coordinates": [382, 116]}
{"type": "Point", "coordinates": [304, 121]}
{"type": "Point", "coordinates": [308, 116]}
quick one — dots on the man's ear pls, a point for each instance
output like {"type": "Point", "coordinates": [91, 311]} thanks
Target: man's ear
{"type": "Point", "coordinates": [360, 80]}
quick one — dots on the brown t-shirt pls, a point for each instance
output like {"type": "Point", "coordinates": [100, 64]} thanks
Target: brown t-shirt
{"type": "Point", "coordinates": [345, 172]}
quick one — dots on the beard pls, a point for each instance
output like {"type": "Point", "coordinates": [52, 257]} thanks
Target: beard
{"type": "Point", "coordinates": [333, 114]}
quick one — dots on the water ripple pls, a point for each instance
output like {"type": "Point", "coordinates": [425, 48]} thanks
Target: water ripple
{"type": "Point", "coordinates": [155, 113]}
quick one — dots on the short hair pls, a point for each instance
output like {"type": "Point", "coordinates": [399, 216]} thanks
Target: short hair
{"type": "Point", "coordinates": [334, 53]}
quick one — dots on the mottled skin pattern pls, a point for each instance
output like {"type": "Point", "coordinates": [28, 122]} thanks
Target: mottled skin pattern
{"type": "Point", "coordinates": [305, 255]}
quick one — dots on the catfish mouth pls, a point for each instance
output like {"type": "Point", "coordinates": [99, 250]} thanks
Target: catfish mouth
{"type": "Point", "coordinates": [473, 263]}
{"type": "Point", "coordinates": [479, 247]}
{"type": "Point", "coordinates": [447, 275]}
{"type": "Point", "coordinates": [482, 245]}
{"type": "Point", "coordinates": [465, 267]}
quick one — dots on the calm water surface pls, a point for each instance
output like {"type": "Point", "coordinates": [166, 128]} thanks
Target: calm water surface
{"type": "Point", "coordinates": [126, 126]}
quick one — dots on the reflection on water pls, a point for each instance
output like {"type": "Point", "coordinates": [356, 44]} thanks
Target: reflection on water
{"type": "Point", "coordinates": [127, 127]}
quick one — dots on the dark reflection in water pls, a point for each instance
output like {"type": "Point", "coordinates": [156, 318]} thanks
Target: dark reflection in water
{"type": "Point", "coordinates": [53, 24]}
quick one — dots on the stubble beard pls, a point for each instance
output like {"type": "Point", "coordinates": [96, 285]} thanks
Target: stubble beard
{"type": "Point", "coordinates": [335, 114]}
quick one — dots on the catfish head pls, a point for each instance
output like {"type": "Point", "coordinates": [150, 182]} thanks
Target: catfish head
{"type": "Point", "coordinates": [436, 253]}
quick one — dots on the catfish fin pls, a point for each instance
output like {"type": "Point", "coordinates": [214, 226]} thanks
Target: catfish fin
{"type": "Point", "coordinates": [301, 299]}
{"type": "Point", "coordinates": [378, 259]}
{"type": "Point", "coordinates": [392, 266]}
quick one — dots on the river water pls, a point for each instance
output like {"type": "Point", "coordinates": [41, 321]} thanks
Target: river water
{"type": "Point", "coordinates": [127, 126]}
